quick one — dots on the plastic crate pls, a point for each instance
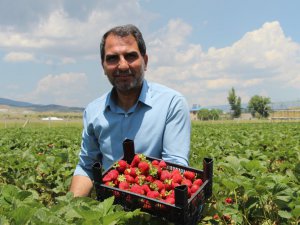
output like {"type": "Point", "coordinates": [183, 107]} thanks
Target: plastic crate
{"type": "Point", "coordinates": [185, 211]}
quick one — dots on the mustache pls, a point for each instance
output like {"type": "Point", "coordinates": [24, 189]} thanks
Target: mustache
{"type": "Point", "coordinates": [123, 72]}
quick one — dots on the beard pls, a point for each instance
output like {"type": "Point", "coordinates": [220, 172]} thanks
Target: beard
{"type": "Point", "coordinates": [127, 82]}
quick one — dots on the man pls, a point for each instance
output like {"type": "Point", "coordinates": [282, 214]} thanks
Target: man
{"type": "Point", "coordinates": [155, 117]}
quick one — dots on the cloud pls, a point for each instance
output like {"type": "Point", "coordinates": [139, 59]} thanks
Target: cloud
{"type": "Point", "coordinates": [60, 89]}
{"type": "Point", "coordinates": [18, 57]}
{"type": "Point", "coordinates": [69, 29]}
{"type": "Point", "coordinates": [261, 60]}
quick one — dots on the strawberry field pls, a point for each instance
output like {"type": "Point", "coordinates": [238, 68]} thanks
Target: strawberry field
{"type": "Point", "coordinates": [256, 176]}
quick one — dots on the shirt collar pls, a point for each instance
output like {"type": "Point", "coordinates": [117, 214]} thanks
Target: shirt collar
{"type": "Point", "coordinates": [144, 98]}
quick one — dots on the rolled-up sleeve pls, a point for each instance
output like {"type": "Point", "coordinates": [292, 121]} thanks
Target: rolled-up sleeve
{"type": "Point", "coordinates": [90, 152]}
{"type": "Point", "coordinates": [176, 140]}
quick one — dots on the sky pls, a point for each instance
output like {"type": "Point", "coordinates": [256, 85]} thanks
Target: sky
{"type": "Point", "coordinates": [49, 50]}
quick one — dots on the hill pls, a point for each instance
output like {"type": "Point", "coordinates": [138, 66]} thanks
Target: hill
{"type": "Point", "coordinates": [39, 107]}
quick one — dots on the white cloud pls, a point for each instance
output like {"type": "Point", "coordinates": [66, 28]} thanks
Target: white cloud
{"type": "Point", "coordinates": [60, 89]}
{"type": "Point", "coordinates": [260, 60]}
{"type": "Point", "coordinates": [18, 57]}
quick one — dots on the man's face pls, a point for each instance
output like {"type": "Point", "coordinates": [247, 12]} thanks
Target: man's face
{"type": "Point", "coordinates": [123, 63]}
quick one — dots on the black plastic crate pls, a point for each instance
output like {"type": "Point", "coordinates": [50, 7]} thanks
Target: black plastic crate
{"type": "Point", "coordinates": [185, 211]}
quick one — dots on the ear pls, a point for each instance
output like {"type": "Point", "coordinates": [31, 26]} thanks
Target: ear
{"type": "Point", "coordinates": [145, 57]}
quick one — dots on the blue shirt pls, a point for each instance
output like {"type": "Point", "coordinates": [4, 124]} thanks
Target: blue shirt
{"type": "Point", "coordinates": [159, 124]}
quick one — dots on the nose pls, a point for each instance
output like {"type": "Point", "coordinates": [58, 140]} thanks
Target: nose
{"type": "Point", "coordinates": [123, 64]}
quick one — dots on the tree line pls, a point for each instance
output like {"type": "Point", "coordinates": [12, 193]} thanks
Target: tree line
{"type": "Point", "coordinates": [258, 106]}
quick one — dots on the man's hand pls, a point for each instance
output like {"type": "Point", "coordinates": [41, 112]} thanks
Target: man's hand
{"type": "Point", "coordinates": [81, 186]}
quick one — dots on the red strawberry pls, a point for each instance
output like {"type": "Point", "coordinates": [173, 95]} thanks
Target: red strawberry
{"type": "Point", "coordinates": [157, 170]}
{"type": "Point", "coordinates": [112, 175]}
{"type": "Point", "coordinates": [170, 200]}
{"type": "Point", "coordinates": [177, 178]}
{"type": "Point", "coordinates": [132, 171]}
{"type": "Point", "coordinates": [168, 184]}
{"type": "Point", "coordinates": [165, 175]}
{"type": "Point", "coordinates": [229, 200]}
{"type": "Point", "coordinates": [137, 159]}
{"type": "Point", "coordinates": [162, 164]}
{"type": "Point", "coordinates": [124, 185]}
{"type": "Point", "coordinates": [186, 182]}
{"type": "Point", "coordinates": [175, 171]}
{"type": "Point", "coordinates": [194, 188]}
{"type": "Point", "coordinates": [189, 175]}
{"type": "Point", "coordinates": [150, 179]}
{"type": "Point", "coordinates": [157, 185]}
{"type": "Point", "coordinates": [137, 189]}
{"type": "Point", "coordinates": [146, 188]}
{"type": "Point", "coordinates": [121, 165]}
{"type": "Point", "coordinates": [129, 179]}
{"type": "Point", "coordinates": [144, 167]}
{"type": "Point", "coordinates": [155, 162]}
{"type": "Point", "coordinates": [198, 182]}
{"type": "Point", "coordinates": [153, 194]}
{"type": "Point", "coordinates": [216, 217]}
{"type": "Point", "coordinates": [140, 179]}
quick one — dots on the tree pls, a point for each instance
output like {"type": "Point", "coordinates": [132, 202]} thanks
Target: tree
{"type": "Point", "coordinates": [235, 103]}
{"type": "Point", "coordinates": [206, 114]}
{"type": "Point", "coordinates": [259, 106]}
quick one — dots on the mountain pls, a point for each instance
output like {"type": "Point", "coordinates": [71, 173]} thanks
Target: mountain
{"type": "Point", "coordinates": [39, 107]}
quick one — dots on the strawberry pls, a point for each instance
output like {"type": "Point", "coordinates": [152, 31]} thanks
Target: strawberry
{"type": "Point", "coordinates": [147, 205]}
{"type": "Point", "coordinates": [121, 165]}
{"type": "Point", "coordinates": [150, 179]}
{"type": "Point", "coordinates": [216, 217]}
{"type": "Point", "coordinates": [157, 185]}
{"type": "Point", "coordinates": [175, 171]}
{"type": "Point", "coordinates": [165, 175]}
{"type": "Point", "coordinates": [137, 189]}
{"type": "Point", "coordinates": [144, 167]}
{"type": "Point", "coordinates": [137, 159]}
{"type": "Point", "coordinates": [194, 188]}
{"type": "Point", "coordinates": [153, 194]}
{"type": "Point", "coordinates": [228, 200]}
{"type": "Point", "coordinates": [162, 164]}
{"type": "Point", "coordinates": [155, 162]}
{"type": "Point", "coordinates": [177, 178]}
{"type": "Point", "coordinates": [186, 182]}
{"type": "Point", "coordinates": [124, 185]}
{"type": "Point", "coordinates": [129, 179]}
{"type": "Point", "coordinates": [164, 194]}
{"type": "Point", "coordinates": [140, 179]}
{"type": "Point", "coordinates": [168, 184]}
{"type": "Point", "coordinates": [132, 171]}
{"type": "Point", "coordinates": [189, 175]}
{"type": "Point", "coordinates": [146, 188]}
{"type": "Point", "coordinates": [198, 182]}
{"type": "Point", "coordinates": [112, 175]}
{"type": "Point", "coordinates": [157, 170]}
{"type": "Point", "coordinates": [170, 200]}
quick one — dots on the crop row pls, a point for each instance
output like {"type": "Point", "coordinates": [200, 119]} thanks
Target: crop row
{"type": "Point", "coordinates": [256, 176]}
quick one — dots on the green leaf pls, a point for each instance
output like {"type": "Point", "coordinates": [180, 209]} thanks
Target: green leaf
{"type": "Point", "coordinates": [284, 214]}
{"type": "Point", "coordinates": [296, 211]}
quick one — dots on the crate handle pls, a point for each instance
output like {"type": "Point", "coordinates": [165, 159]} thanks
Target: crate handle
{"type": "Point", "coordinates": [181, 196]}
{"type": "Point", "coordinates": [208, 176]}
{"type": "Point", "coordinates": [97, 172]}
{"type": "Point", "coordinates": [128, 150]}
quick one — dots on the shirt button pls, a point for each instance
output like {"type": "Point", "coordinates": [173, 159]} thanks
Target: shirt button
{"type": "Point", "coordinates": [126, 115]}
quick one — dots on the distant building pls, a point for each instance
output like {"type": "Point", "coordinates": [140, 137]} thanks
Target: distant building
{"type": "Point", "coordinates": [194, 110]}
{"type": "Point", "coordinates": [52, 118]}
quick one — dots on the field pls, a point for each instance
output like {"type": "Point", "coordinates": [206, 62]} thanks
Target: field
{"type": "Point", "coordinates": [256, 175]}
